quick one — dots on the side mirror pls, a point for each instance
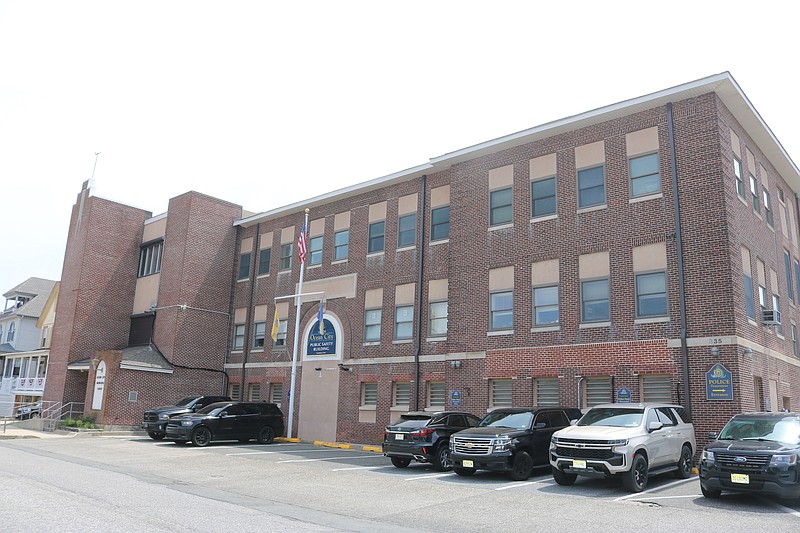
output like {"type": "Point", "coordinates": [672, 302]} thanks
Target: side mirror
{"type": "Point", "coordinates": [573, 422]}
{"type": "Point", "coordinates": [539, 425]}
{"type": "Point", "coordinates": [654, 426]}
{"type": "Point", "coordinates": [223, 414]}
{"type": "Point", "coordinates": [713, 435]}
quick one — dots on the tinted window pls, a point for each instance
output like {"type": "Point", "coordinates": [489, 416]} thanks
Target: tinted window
{"type": "Point", "coordinates": [629, 418]}
{"type": "Point", "coordinates": [507, 420]}
{"type": "Point", "coordinates": [665, 416]}
{"type": "Point", "coordinates": [186, 401]}
{"type": "Point", "coordinates": [558, 419]}
{"type": "Point", "coordinates": [213, 409]}
{"type": "Point", "coordinates": [457, 421]}
{"type": "Point", "coordinates": [473, 420]}
{"type": "Point", "coordinates": [236, 409]}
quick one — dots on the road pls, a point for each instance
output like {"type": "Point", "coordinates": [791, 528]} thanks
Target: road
{"type": "Point", "coordinates": [134, 484]}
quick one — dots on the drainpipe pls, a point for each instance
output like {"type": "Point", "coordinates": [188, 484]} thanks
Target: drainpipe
{"type": "Point", "coordinates": [252, 277]}
{"type": "Point", "coordinates": [421, 241]}
{"type": "Point", "coordinates": [679, 244]}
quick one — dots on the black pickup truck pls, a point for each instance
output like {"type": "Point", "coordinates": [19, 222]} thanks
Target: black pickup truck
{"type": "Point", "coordinates": [155, 419]}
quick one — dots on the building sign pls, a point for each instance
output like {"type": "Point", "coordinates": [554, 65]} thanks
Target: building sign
{"type": "Point", "coordinates": [99, 386]}
{"type": "Point", "coordinates": [719, 383]}
{"type": "Point", "coordinates": [455, 398]}
{"type": "Point", "coordinates": [321, 343]}
{"type": "Point", "coordinates": [624, 395]}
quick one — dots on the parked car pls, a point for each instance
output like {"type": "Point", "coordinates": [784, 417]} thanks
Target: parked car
{"type": "Point", "coordinates": [633, 441]}
{"type": "Point", "coordinates": [512, 440]}
{"type": "Point", "coordinates": [155, 419]}
{"type": "Point", "coordinates": [240, 421]}
{"type": "Point", "coordinates": [424, 437]}
{"type": "Point", "coordinates": [754, 453]}
{"type": "Point", "coordinates": [31, 410]}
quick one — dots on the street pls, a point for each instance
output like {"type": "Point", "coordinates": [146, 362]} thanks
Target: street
{"type": "Point", "coordinates": [131, 483]}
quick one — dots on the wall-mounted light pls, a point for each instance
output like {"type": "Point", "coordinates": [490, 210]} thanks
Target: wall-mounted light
{"type": "Point", "coordinates": [455, 364]}
{"type": "Point", "coordinates": [714, 351]}
{"type": "Point", "coordinates": [345, 368]}
{"type": "Point", "coordinates": [747, 351]}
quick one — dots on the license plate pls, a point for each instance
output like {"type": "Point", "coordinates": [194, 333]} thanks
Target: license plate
{"type": "Point", "coordinates": [398, 436]}
{"type": "Point", "coordinates": [740, 478]}
{"type": "Point", "coordinates": [467, 463]}
{"type": "Point", "coordinates": [578, 464]}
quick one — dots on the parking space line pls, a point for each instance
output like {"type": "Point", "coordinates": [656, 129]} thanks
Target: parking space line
{"type": "Point", "coordinates": [327, 459]}
{"type": "Point", "coordinates": [518, 484]}
{"type": "Point", "coordinates": [783, 508]}
{"type": "Point", "coordinates": [427, 477]}
{"type": "Point", "coordinates": [660, 487]}
{"type": "Point", "coordinates": [249, 453]}
{"type": "Point", "coordinates": [673, 497]}
{"type": "Point", "coordinates": [357, 468]}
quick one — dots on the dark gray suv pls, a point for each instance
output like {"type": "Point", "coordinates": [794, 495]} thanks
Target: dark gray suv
{"type": "Point", "coordinates": [240, 421]}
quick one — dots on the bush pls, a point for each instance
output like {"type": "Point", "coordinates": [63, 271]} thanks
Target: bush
{"type": "Point", "coordinates": [82, 422]}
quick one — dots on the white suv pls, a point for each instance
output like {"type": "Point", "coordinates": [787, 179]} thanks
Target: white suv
{"type": "Point", "coordinates": [633, 440]}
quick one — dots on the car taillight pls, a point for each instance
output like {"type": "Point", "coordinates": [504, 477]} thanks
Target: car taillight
{"type": "Point", "coordinates": [422, 432]}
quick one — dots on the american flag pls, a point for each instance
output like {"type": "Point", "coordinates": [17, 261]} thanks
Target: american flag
{"type": "Point", "coordinates": [302, 245]}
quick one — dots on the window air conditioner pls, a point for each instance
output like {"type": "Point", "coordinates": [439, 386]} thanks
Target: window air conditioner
{"type": "Point", "coordinates": [770, 316]}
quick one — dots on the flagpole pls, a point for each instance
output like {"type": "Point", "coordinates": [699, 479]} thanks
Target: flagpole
{"type": "Point", "coordinates": [298, 301]}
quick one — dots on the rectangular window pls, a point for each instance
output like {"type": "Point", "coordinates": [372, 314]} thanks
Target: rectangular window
{"type": "Point", "coordinates": [254, 394]}
{"type": "Point", "coordinates": [737, 171]}
{"type": "Point", "coordinates": [597, 390]}
{"type": "Point", "coordinates": [546, 394]}
{"type": "Point", "coordinates": [754, 194]}
{"type": "Point", "coordinates": [500, 393]}
{"type": "Point", "coordinates": [372, 325]}
{"type": "Point", "coordinates": [644, 175]}
{"type": "Point", "coordinates": [407, 230]}
{"type": "Point", "coordinates": [281, 337]}
{"type": "Point", "coordinates": [286, 257]}
{"type": "Point", "coordinates": [787, 266]}
{"type": "Point", "coordinates": [315, 251]}
{"type": "Point", "coordinates": [591, 187]}
{"type": "Point", "coordinates": [776, 305]}
{"type": "Point", "coordinates": [264, 258]}
{"type": "Point", "coordinates": [404, 322]}
{"type": "Point", "coordinates": [657, 389]}
{"type": "Point", "coordinates": [440, 223]}
{"type": "Point", "coordinates": [377, 232]}
{"type": "Point", "coordinates": [594, 301]}
{"type": "Point", "coordinates": [543, 197]}
{"type": "Point", "coordinates": [767, 208]}
{"type": "Point", "coordinates": [797, 277]}
{"type": "Point", "coordinates": [794, 340]}
{"type": "Point", "coordinates": [150, 259]}
{"type": "Point", "coordinates": [238, 337]}
{"type": "Point", "coordinates": [259, 334]}
{"type": "Point", "coordinates": [437, 394]}
{"type": "Point", "coordinates": [369, 394]}
{"type": "Point", "coordinates": [749, 301]}
{"type": "Point", "coordinates": [545, 306]}
{"type": "Point", "coordinates": [501, 310]}
{"type": "Point", "coordinates": [500, 209]}
{"type": "Point", "coordinates": [401, 394]}
{"type": "Point", "coordinates": [651, 294]}
{"type": "Point", "coordinates": [276, 393]}
{"type": "Point", "coordinates": [244, 265]}
{"type": "Point", "coordinates": [437, 319]}
{"type": "Point", "coordinates": [45, 332]}
{"type": "Point", "coordinates": [762, 297]}
{"type": "Point", "coordinates": [341, 244]}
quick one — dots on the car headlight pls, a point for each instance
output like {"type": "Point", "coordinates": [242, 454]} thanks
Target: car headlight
{"type": "Point", "coordinates": [783, 460]}
{"type": "Point", "coordinates": [501, 443]}
{"type": "Point", "coordinates": [708, 457]}
{"type": "Point", "coordinates": [163, 417]}
{"type": "Point", "coordinates": [187, 422]}
{"type": "Point", "coordinates": [618, 442]}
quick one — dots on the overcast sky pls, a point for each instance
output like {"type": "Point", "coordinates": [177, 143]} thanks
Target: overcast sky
{"type": "Point", "coordinates": [265, 103]}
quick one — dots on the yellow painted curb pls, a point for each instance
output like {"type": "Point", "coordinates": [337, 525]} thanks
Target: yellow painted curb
{"type": "Point", "coordinates": [286, 439]}
{"type": "Point", "coordinates": [333, 445]}
{"type": "Point", "coordinates": [376, 449]}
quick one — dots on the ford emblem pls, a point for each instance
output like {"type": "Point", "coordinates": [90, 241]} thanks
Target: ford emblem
{"type": "Point", "coordinates": [740, 459]}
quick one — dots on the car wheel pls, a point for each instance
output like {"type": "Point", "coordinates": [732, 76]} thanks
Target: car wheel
{"type": "Point", "coordinates": [685, 464]}
{"type": "Point", "coordinates": [521, 467]}
{"type": "Point", "coordinates": [635, 479]}
{"type": "Point", "coordinates": [441, 461]}
{"type": "Point", "coordinates": [201, 436]}
{"type": "Point", "coordinates": [400, 462]}
{"type": "Point", "coordinates": [266, 435]}
{"type": "Point", "coordinates": [466, 472]}
{"type": "Point", "coordinates": [710, 493]}
{"type": "Point", "coordinates": [36, 414]}
{"type": "Point", "coordinates": [562, 478]}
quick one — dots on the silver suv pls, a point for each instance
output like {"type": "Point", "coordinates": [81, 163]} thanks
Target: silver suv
{"type": "Point", "coordinates": [634, 441]}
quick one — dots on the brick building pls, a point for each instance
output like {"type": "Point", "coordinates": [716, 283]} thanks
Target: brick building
{"type": "Point", "coordinates": [647, 250]}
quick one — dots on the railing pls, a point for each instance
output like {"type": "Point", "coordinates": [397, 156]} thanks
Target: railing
{"type": "Point", "coordinates": [21, 385]}
{"type": "Point", "coordinates": [48, 414]}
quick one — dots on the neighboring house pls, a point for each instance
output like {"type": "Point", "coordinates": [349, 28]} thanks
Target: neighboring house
{"type": "Point", "coordinates": [643, 251]}
{"type": "Point", "coordinates": [26, 326]}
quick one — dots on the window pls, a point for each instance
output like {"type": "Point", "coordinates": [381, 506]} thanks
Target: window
{"type": "Point", "coordinates": [401, 394]}
{"type": "Point", "coordinates": [1, 338]}
{"type": "Point", "coordinates": [372, 325]}
{"type": "Point", "coordinates": [436, 394]}
{"type": "Point", "coordinates": [737, 171]}
{"type": "Point", "coordinates": [657, 389]}
{"type": "Point", "coordinates": [150, 259]}
{"type": "Point", "coordinates": [500, 210]}
{"type": "Point", "coordinates": [286, 257]}
{"type": "Point", "coordinates": [749, 301]}
{"type": "Point", "coordinates": [281, 337]}
{"type": "Point", "coordinates": [404, 322]}
{"type": "Point", "coordinates": [500, 393]}
{"type": "Point", "coordinates": [794, 340]}
{"type": "Point", "coordinates": [797, 277]}
{"type": "Point", "coordinates": [597, 390]}
{"type": "Point", "coordinates": [244, 265]}
{"type": "Point", "coordinates": [787, 266]}
{"type": "Point", "coordinates": [238, 337]}
{"type": "Point", "coordinates": [651, 294]}
{"type": "Point", "coordinates": [501, 310]}
{"type": "Point", "coordinates": [776, 305]}
{"type": "Point", "coordinates": [45, 332]}
{"type": "Point", "coordinates": [259, 334]}
{"type": "Point", "coordinates": [545, 306]}
{"type": "Point", "coordinates": [546, 392]}
{"type": "Point", "coordinates": [754, 193]}
{"type": "Point", "coordinates": [341, 243]}
{"type": "Point", "coordinates": [377, 232]}
{"type": "Point", "coordinates": [440, 223]}
{"type": "Point", "coordinates": [264, 258]}
{"type": "Point", "coordinates": [234, 390]}
{"type": "Point", "coordinates": [762, 297]}
{"type": "Point", "coordinates": [276, 394]}
{"type": "Point", "coordinates": [315, 249]}
{"type": "Point", "coordinates": [407, 230]}
{"type": "Point", "coordinates": [254, 392]}
{"type": "Point", "coordinates": [369, 394]}
{"type": "Point", "coordinates": [594, 301]}
{"type": "Point", "coordinates": [644, 175]}
{"type": "Point", "coordinates": [12, 326]}
{"type": "Point", "coordinates": [591, 187]}
{"type": "Point", "coordinates": [767, 208]}
{"type": "Point", "coordinates": [543, 197]}
{"type": "Point", "coordinates": [437, 319]}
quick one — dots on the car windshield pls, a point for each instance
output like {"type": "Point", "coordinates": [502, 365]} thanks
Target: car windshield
{"type": "Point", "coordinates": [186, 401]}
{"type": "Point", "coordinates": [614, 417]}
{"type": "Point", "coordinates": [785, 430]}
{"type": "Point", "coordinates": [214, 409]}
{"type": "Point", "coordinates": [507, 420]}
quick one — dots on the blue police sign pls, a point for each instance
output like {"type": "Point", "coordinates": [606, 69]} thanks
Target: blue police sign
{"type": "Point", "coordinates": [455, 398]}
{"type": "Point", "coordinates": [719, 383]}
{"type": "Point", "coordinates": [624, 395]}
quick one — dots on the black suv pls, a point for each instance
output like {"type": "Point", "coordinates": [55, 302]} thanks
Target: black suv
{"type": "Point", "coordinates": [424, 437]}
{"type": "Point", "coordinates": [755, 453]}
{"type": "Point", "coordinates": [155, 419]}
{"type": "Point", "coordinates": [240, 421]}
{"type": "Point", "coordinates": [513, 440]}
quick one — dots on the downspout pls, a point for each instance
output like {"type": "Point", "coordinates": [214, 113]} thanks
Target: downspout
{"type": "Point", "coordinates": [421, 241]}
{"type": "Point", "coordinates": [249, 320]}
{"type": "Point", "coordinates": [679, 244]}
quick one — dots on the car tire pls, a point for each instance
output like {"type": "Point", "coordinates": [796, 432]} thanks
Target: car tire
{"type": "Point", "coordinates": [635, 479]}
{"type": "Point", "coordinates": [712, 494]}
{"type": "Point", "coordinates": [441, 459]}
{"type": "Point", "coordinates": [155, 435]}
{"type": "Point", "coordinates": [201, 436]}
{"type": "Point", "coordinates": [466, 472]}
{"type": "Point", "coordinates": [562, 478]}
{"type": "Point", "coordinates": [685, 463]}
{"type": "Point", "coordinates": [400, 462]}
{"type": "Point", "coordinates": [521, 466]}
{"type": "Point", "coordinates": [266, 435]}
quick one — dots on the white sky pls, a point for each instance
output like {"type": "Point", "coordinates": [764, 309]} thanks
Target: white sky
{"type": "Point", "coordinates": [267, 103]}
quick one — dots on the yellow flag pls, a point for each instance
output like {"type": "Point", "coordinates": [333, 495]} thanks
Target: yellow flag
{"type": "Point", "coordinates": [275, 326]}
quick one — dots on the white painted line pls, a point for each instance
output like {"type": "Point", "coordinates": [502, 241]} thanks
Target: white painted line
{"type": "Point", "coordinates": [783, 508]}
{"type": "Point", "coordinates": [248, 453]}
{"type": "Point", "coordinates": [326, 459]}
{"type": "Point", "coordinates": [427, 477]}
{"type": "Point", "coordinates": [357, 468]}
{"type": "Point", "coordinates": [660, 487]}
{"type": "Point", "coordinates": [650, 498]}
{"type": "Point", "coordinates": [518, 484]}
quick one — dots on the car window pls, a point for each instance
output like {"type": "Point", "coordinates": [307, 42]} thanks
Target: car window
{"type": "Point", "coordinates": [652, 416]}
{"type": "Point", "coordinates": [614, 417]}
{"type": "Point", "coordinates": [558, 419]}
{"type": "Point", "coordinates": [235, 409]}
{"type": "Point", "coordinates": [665, 416]}
{"type": "Point", "coordinates": [507, 420]}
{"type": "Point", "coordinates": [251, 409]}
{"type": "Point", "coordinates": [439, 420]}
{"type": "Point", "coordinates": [473, 421]}
{"type": "Point", "coordinates": [457, 421]}
{"type": "Point", "coordinates": [185, 401]}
